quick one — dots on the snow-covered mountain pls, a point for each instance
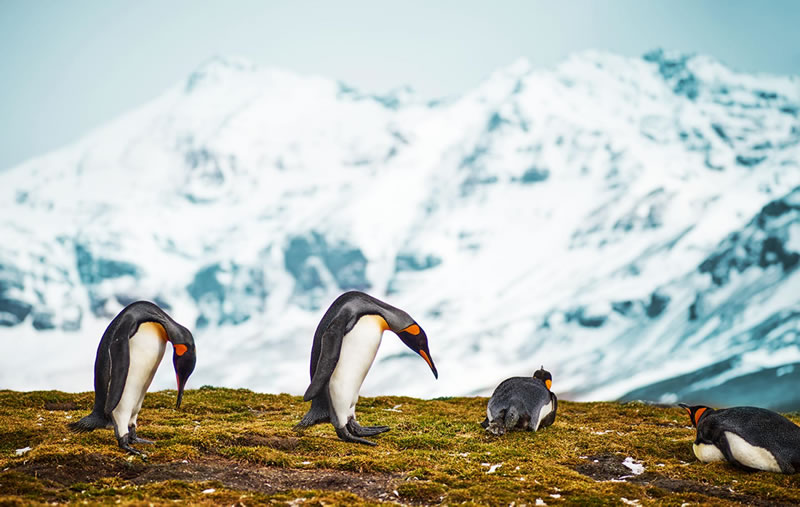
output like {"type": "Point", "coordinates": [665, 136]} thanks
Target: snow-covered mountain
{"type": "Point", "coordinates": [632, 224]}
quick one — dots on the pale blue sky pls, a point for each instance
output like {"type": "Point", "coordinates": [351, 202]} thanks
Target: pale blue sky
{"type": "Point", "coordinates": [69, 66]}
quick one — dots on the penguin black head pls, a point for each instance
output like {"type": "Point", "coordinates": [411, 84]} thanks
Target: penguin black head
{"type": "Point", "coordinates": [544, 376]}
{"type": "Point", "coordinates": [183, 360]}
{"type": "Point", "coordinates": [415, 339]}
{"type": "Point", "coordinates": [695, 412]}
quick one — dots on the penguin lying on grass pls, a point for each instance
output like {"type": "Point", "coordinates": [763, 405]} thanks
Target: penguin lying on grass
{"type": "Point", "coordinates": [524, 403]}
{"type": "Point", "coordinates": [345, 344]}
{"type": "Point", "coordinates": [127, 358]}
{"type": "Point", "coordinates": [749, 437]}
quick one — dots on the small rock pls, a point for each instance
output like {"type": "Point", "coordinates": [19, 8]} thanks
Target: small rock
{"type": "Point", "coordinates": [539, 501]}
{"type": "Point", "coordinates": [20, 452]}
{"type": "Point", "coordinates": [494, 468]}
{"type": "Point", "coordinates": [209, 491]}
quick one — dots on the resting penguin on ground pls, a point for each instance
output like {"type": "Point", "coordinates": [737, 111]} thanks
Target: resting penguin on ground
{"type": "Point", "coordinates": [524, 403]}
{"type": "Point", "coordinates": [749, 437]}
{"type": "Point", "coordinates": [345, 344]}
{"type": "Point", "coordinates": [127, 358]}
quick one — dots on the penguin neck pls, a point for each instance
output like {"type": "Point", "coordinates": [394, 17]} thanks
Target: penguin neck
{"type": "Point", "coordinates": [698, 415]}
{"type": "Point", "coordinates": [156, 329]}
{"type": "Point", "coordinates": [394, 320]}
{"type": "Point", "coordinates": [380, 321]}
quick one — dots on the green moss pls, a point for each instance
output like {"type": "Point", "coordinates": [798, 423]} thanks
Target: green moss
{"type": "Point", "coordinates": [241, 445]}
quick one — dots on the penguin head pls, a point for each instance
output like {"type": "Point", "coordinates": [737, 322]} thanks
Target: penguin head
{"type": "Point", "coordinates": [695, 412]}
{"type": "Point", "coordinates": [183, 360]}
{"type": "Point", "coordinates": [415, 339]}
{"type": "Point", "coordinates": [544, 376]}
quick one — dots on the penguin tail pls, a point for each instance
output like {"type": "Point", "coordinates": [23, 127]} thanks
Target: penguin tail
{"type": "Point", "coordinates": [316, 415]}
{"type": "Point", "coordinates": [512, 417]}
{"type": "Point", "coordinates": [88, 423]}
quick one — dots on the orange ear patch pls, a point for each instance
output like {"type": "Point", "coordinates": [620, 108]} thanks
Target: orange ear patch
{"type": "Point", "coordinates": [412, 329]}
{"type": "Point", "coordinates": [181, 349]}
{"type": "Point", "coordinates": [548, 383]}
{"type": "Point", "coordinates": [698, 414]}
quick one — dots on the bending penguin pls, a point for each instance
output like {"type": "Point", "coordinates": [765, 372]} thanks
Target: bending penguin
{"type": "Point", "coordinates": [127, 358]}
{"type": "Point", "coordinates": [524, 403]}
{"type": "Point", "coordinates": [345, 344]}
{"type": "Point", "coordinates": [748, 437]}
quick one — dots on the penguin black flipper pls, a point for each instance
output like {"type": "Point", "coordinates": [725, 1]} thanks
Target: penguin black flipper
{"type": "Point", "coordinates": [110, 371]}
{"type": "Point", "coordinates": [328, 355]}
{"type": "Point", "coordinates": [119, 360]}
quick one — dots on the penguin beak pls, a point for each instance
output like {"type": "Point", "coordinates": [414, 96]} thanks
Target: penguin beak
{"type": "Point", "coordinates": [689, 410]}
{"type": "Point", "coordinates": [424, 354]}
{"type": "Point", "coordinates": [181, 385]}
{"type": "Point", "coordinates": [183, 360]}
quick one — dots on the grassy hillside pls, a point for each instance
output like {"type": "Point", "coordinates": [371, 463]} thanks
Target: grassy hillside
{"type": "Point", "coordinates": [227, 446]}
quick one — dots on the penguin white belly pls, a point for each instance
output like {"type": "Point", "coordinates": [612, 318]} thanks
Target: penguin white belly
{"type": "Point", "coordinates": [707, 453]}
{"type": "Point", "coordinates": [750, 455]}
{"type": "Point", "coordinates": [146, 348]}
{"type": "Point", "coordinates": [358, 351]}
{"type": "Point", "coordinates": [544, 412]}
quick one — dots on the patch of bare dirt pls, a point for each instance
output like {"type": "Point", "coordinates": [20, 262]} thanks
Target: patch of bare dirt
{"type": "Point", "coordinates": [234, 475]}
{"type": "Point", "coordinates": [604, 467]}
{"type": "Point", "coordinates": [608, 467]}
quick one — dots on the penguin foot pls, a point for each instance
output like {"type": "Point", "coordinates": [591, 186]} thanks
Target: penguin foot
{"type": "Point", "coordinates": [124, 443]}
{"type": "Point", "coordinates": [365, 431]}
{"type": "Point", "coordinates": [496, 428]}
{"type": "Point", "coordinates": [133, 439]}
{"type": "Point", "coordinates": [344, 434]}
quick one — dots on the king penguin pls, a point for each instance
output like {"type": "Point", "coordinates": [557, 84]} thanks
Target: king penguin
{"type": "Point", "coordinates": [127, 358]}
{"type": "Point", "coordinates": [524, 403]}
{"type": "Point", "coordinates": [748, 437]}
{"type": "Point", "coordinates": [345, 344]}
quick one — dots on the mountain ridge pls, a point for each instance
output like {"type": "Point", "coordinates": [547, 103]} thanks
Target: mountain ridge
{"type": "Point", "coordinates": [558, 216]}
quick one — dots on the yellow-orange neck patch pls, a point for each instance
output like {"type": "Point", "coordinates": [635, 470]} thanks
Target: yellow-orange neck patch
{"type": "Point", "coordinates": [380, 321]}
{"type": "Point", "coordinates": [181, 349]}
{"type": "Point", "coordinates": [548, 383]}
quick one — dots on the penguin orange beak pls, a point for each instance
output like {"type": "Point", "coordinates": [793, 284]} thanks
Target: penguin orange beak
{"type": "Point", "coordinates": [428, 360]}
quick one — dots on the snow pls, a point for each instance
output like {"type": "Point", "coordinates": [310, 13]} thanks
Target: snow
{"type": "Point", "coordinates": [635, 467]}
{"type": "Point", "coordinates": [557, 217]}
